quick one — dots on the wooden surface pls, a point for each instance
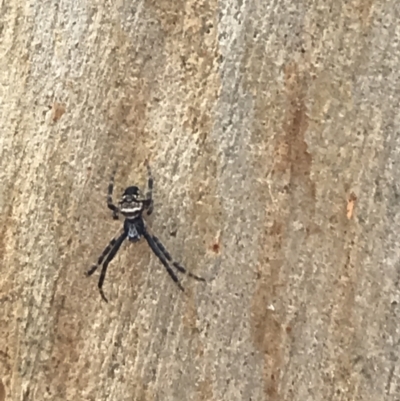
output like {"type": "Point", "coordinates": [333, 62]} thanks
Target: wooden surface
{"type": "Point", "coordinates": [273, 132]}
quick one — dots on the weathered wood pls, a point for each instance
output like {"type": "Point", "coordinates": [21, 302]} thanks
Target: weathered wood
{"type": "Point", "coordinates": [272, 129]}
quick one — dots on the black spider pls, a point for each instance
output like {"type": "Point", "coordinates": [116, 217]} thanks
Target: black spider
{"type": "Point", "coordinates": [132, 206]}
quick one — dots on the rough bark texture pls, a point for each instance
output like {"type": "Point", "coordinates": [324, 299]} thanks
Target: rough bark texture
{"type": "Point", "coordinates": [273, 131]}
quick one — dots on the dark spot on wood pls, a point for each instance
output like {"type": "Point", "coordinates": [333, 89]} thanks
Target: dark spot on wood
{"type": "Point", "coordinates": [58, 109]}
{"type": "Point", "coordinates": [276, 228]}
{"type": "Point", "coordinates": [215, 247]}
{"type": "Point", "coordinates": [352, 197]}
{"type": "Point", "coordinates": [25, 395]}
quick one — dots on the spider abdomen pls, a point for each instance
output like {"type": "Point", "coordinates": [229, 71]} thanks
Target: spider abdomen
{"type": "Point", "coordinates": [134, 229]}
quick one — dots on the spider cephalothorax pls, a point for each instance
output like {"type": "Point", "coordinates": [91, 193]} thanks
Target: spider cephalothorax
{"type": "Point", "coordinates": [132, 205]}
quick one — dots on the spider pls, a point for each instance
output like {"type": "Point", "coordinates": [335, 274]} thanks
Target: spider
{"type": "Point", "coordinates": [131, 206]}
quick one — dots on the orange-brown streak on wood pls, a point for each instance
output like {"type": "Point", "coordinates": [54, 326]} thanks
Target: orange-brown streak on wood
{"type": "Point", "coordinates": [280, 123]}
{"type": "Point", "coordinates": [266, 331]}
{"type": "Point", "coordinates": [292, 164]}
{"type": "Point", "coordinates": [298, 158]}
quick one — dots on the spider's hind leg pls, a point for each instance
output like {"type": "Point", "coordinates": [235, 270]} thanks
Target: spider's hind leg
{"type": "Point", "coordinates": [117, 244]}
{"type": "Point", "coordinates": [106, 251]}
{"type": "Point", "coordinates": [154, 247]}
{"type": "Point", "coordinates": [175, 264]}
{"type": "Point", "coordinates": [110, 203]}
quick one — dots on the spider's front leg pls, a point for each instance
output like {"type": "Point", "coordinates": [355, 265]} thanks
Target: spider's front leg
{"type": "Point", "coordinates": [110, 203]}
{"type": "Point", "coordinates": [149, 193]}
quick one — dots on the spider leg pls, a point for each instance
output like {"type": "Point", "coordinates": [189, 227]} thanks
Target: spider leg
{"type": "Point", "coordinates": [175, 264]}
{"type": "Point", "coordinates": [117, 244]}
{"type": "Point", "coordinates": [149, 193]}
{"type": "Point", "coordinates": [110, 203]}
{"type": "Point", "coordinates": [162, 257]}
{"type": "Point", "coordinates": [106, 251]}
